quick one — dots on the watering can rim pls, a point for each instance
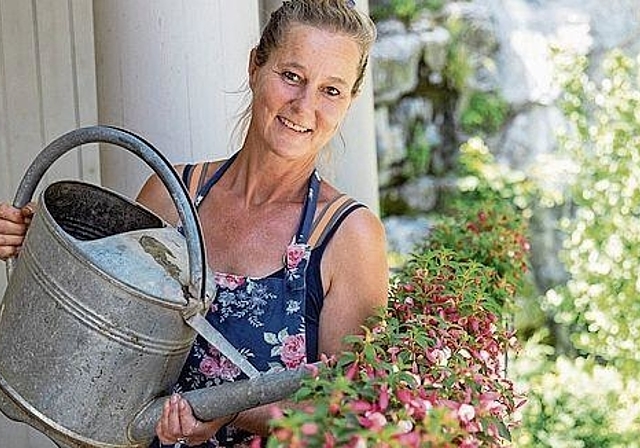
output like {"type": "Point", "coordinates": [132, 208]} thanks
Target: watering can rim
{"type": "Point", "coordinates": [184, 302]}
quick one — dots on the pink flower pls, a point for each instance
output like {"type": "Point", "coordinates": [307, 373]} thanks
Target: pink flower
{"type": "Point", "coordinates": [439, 356]}
{"type": "Point", "coordinates": [309, 429]}
{"type": "Point", "coordinates": [295, 254]}
{"type": "Point", "coordinates": [218, 367]}
{"type": "Point", "coordinates": [469, 442]}
{"type": "Point", "coordinates": [383, 399]}
{"type": "Point", "coordinates": [360, 406]}
{"type": "Point", "coordinates": [373, 420]}
{"type": "Point", "coordinates": [228, 370]}
{"type": "Point", "coordinates": [229, 281]}
{"type": "Point", "coordinates": [329, 440]}
{"type": "Point", "coordinates": [466, 413]}
{"type": "Point", "coordinates": [276, 412]}
{"type": "Point", "coordinates": [209, 366]}
{"type": "Point", "coordinates": [293, 352]}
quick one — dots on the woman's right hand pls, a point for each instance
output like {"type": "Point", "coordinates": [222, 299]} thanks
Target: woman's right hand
{"type": "Point", "coordinates": [14, 223]}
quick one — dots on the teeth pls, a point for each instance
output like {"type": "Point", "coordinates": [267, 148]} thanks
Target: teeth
{"type": "Point", "coordinates": [293, 126]}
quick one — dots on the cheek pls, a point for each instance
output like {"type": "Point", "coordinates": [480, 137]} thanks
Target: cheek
{"type": "Point", "coordinates": [333, 114]}
{"type": "Point", "coordinates": [274, 97]}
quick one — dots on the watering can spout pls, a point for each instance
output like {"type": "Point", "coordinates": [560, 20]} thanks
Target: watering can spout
{"type": "Point", "coordinates": [226, 399]}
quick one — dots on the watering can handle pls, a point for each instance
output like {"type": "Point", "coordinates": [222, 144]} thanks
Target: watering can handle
{"type": "Point", "coordinates": [156, 160]}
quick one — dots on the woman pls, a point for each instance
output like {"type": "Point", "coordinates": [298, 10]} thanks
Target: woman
{"type": "Point", "coordinates": [279, 301]}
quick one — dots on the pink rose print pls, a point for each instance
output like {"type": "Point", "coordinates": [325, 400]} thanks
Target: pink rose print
{"type": "Point", "coordinates": [295, 254]}
{"type": "Point", "coordinates": [219, 367]}
{"type": "Point", "coordinates": [293, 352]}
{"type": "Point", "coordinates": [229, 281]}
{"type": "Point", "coordinates": [209, 366]}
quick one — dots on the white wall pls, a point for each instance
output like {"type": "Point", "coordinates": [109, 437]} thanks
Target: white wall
{"type": "Point", "coordinates": [171, 71]}
{"type": "Point", "coordinates": [47, 87]}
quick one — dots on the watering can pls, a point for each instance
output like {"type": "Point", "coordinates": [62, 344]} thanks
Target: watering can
{"type": "Point", "coordinates": [102, 307]}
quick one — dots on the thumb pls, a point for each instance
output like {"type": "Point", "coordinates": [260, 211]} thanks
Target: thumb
{"type": "Point", "coordinates": [29, 209]}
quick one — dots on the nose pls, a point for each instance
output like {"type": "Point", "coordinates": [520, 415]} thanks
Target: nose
{"type": "Point", "coordinates": [305, 100]}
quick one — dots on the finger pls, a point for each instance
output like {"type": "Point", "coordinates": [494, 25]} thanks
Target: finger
{"type": "Point", "coordinates": [28, 210]}
{"type": "Point", "coordinates": [11, 240]}
{"type": "Point", "coordinates": [10, 213]}
{"type": "Point", "coordinates": [173, 419]}
{"type": "Point", "coordinates": [8, 252]}
{"type": "Point", "coordinates": [193, 430]}
{"type": "Point", "coordinates": [188, 422]}
{"type": "Point", "coordinates": [165, 434]}
{"type": "Point", "coordinates": [161, 431]}
{"type": "Point", "coordinates": [9, 246]}
{"type": "Point", "coordinates": [11, 230]}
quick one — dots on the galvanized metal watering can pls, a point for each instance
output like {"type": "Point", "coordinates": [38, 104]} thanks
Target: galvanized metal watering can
{"type": "Point", "coordinates": [102, 307]}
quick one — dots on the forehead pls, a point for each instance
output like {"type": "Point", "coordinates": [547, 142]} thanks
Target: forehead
{"type": "Point", "coordinates": [316, 48]}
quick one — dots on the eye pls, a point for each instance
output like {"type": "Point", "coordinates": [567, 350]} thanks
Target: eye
{"type": "Point", "coordinates": [332, 91]}
{"type": "Point", "coordinates": [291, 77]}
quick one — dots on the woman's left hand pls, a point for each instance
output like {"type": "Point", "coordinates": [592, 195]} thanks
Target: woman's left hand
{"type": "Point", "coordinates": [177, 424]}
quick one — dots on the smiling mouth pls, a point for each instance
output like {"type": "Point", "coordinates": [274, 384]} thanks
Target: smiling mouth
{"type": "Point", "coordinates": [294, 127]}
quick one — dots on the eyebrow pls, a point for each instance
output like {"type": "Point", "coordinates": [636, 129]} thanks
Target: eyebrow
{"type": "Point", "coordinates": [333, 79]}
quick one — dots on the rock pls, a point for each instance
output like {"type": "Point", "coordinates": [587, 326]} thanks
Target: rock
{"type": "Point", "coordinates": [404, 233]}
{"type": "Point", "coordinates": [395, 60]}
{"type": "Point", "coordinates": [390, 142]}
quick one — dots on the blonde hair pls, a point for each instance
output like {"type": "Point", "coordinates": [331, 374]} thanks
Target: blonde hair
{"type": "Point", "coordinates": [339, 16]}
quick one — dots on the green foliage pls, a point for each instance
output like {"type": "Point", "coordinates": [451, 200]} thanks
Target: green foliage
{"type": "Point", "coordinates": [490, 197]}
{"type": "Point", "coordinates": [405, 10]}
{"type": "Point", "coordinates": [575, 402]}
{"type": "Point", "coordinates": [427, 372]}
{"type": "Point", "coordinates": [602, 250]}
{"type": "Point", "coordinates": [419, 152]}
{"type": "Point", "coordinates": [482, 179]}
{"type": "Point", "coordinates": [458, 67]}
{"type": "Point", "coordinates": [484, 113]}
{"type": "Point", "coordinates": [592, 401]}
{"type": "Point", "coordinates": [392, 204]}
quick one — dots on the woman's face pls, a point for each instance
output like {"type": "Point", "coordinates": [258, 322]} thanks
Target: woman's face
{"type": "Point", "coordinates": [303, 91]}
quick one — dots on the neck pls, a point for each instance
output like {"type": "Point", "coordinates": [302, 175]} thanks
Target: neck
{"type": "Point", "coordinates": [260, 177]}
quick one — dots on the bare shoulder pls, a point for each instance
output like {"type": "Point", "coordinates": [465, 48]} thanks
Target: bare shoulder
{"type": "Point", "coordinates": [154, 195]}
{"type": "Point", "coordinates": [359, 244]}
{"type": "Point", "coordinates": [362, 226]}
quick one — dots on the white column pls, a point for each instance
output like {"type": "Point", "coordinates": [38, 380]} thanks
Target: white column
{"type": "Point", "coordinates": [354, 166]}
{"type": "Point", "coordinates": [172, 71]}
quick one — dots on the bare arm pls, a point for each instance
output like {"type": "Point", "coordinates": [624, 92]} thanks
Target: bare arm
{"type": "Point", "coordinates": [356, 278]}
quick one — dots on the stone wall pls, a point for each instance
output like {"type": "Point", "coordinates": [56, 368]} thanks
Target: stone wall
{"type": "Point", "coordinates": [427, 73]}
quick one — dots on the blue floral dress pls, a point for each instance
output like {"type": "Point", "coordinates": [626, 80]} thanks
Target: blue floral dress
{"type": "Point", "coordinates": [264, 318]}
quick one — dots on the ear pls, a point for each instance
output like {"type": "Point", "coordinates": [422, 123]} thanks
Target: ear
{"type": "Point", "coordinates": [253, 68]}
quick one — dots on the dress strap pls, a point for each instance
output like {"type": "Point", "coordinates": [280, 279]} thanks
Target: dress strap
{"type": "Point", "coordinates": [329, 216]}
{"type": "Point", "coordinates": [202, 187]}
{"type": "Point", "coordinates": [194, 176]}
{"type": "Point", "coordinates": [309, 209]}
